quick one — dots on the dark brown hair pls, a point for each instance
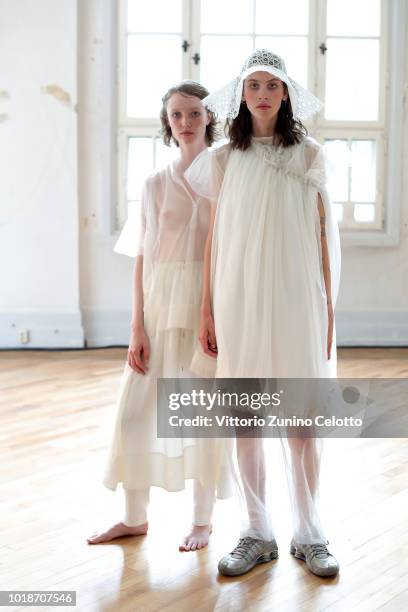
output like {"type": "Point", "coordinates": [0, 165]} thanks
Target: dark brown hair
{"type": "Point", "coordinates": [289, 130]}
{"type": "Point", "coordinates": [186, 88]}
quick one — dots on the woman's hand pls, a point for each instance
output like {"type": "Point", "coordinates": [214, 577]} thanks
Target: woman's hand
{"type": "Point", "coordinates": [206, 336]}
{"type": "Point", "coordinates": [139, 351]}
{"type": "Point", "coordinates": [330, 317]}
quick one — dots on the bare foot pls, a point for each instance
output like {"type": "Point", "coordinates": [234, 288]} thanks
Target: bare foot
{"type": "Point", "coordinates": [117, 531]}
{"type": "Point", "coordinates": [197, 538]}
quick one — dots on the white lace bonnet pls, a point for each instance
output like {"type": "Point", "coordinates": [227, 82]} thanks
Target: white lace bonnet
{"type": "Point", "coordinates": [225, 102]}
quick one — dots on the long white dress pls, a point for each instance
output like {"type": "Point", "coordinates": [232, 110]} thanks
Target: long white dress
{"type": "Point", "coordinates": [173, 230]}
{"type": "Point", "coordinates": [268, 296]}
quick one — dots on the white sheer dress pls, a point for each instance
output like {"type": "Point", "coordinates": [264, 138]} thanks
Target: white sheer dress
{"type": "Point", "coordinates": [269, 298]}
{"type": "Point", "coordinates": [173, 230]}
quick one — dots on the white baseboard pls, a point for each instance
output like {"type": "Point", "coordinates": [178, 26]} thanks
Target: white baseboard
{"type": "Point", "coordinates": [375, 328]}
{"type": "Point", "coordinates": [354, 328]}
{"type": "Point", "coordinates": [106, 327]}
{"type": "Point", "coordinates": [99, 328]}
{"type": "Point", "coordinates": [49, 330]}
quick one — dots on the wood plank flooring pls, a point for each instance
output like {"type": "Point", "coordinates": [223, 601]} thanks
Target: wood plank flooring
{"type": "Point", "coordinates": [57, 412]}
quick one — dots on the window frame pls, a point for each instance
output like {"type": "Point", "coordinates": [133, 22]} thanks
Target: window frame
{"type": "Point", "coordinates": [390, 135]}
{"type": "Point", "coordinates": [349, 133]}
{"type": "Point", "coordinates": [323, 128]}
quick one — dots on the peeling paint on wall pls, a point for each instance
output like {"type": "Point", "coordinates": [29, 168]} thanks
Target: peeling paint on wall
{"type": "Point", "coordinates": [58, 93]}
{"type": "Point", "coordinates": [3, 117]}
{"type": "Point", "coordinates": [4, 94]}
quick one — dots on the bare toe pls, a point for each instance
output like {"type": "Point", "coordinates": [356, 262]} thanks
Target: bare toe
{"type": "Point", "coordinates": [196, 539]}
{"type": "Point", "coordinates": [117, 531]}
{"type": "Point", "coordinates": [183, 544]}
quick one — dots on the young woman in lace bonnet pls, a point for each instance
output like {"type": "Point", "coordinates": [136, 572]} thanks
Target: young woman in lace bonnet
{"type": "Point", "coordinates": [271, 273]}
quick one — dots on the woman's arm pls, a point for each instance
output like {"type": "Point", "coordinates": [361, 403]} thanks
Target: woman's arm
{"type": "Point", "coordinates": [326, 272]}
{"type": "Point", "coordinates": [325, 248]}
{"type": "Point", "coordinates": [207, 330]}
{"type": "Point", "coordinates": [137, 294]}
{"type": "Point", "coordinates": [139, 348]}
{"type": "Point", "coordinates": [206, 295]}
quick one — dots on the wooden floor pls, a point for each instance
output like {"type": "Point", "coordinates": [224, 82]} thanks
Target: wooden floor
{"type": "Point", "coordinates": [57, 411]}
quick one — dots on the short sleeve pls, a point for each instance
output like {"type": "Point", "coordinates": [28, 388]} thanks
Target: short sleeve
{"type": "Point", "coordinates": [316, 177]}
{"type": "Point", "coordinates": [132, 237]}
{"type": "Point", "coordinates": [206, 173]}
{"type": "Point", "coordinates": [316, 164]}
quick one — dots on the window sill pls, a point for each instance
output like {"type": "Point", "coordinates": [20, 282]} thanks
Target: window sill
{"type": "Point", "coordinates": [367, 238]}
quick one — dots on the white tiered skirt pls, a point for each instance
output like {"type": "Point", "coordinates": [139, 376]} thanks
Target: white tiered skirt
{"type": "Point", "coordinates": [137, 457]}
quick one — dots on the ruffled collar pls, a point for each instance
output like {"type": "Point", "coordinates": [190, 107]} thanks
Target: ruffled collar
{"type": "Point", "coordinates": [279, 157]}
{"type": "Point", "coordinates": [264, 146]}
{"type": "Point", "coordinates": [265, 140]}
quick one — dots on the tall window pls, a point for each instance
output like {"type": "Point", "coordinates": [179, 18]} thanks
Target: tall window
{"type": "Point", "coordinates": [336, 48]}
{"type": "Point", "coordinates": [352, 85]}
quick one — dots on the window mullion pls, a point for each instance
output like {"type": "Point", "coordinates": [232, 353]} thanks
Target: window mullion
{"type": "Point", "coordinates": [320, 59]}
{"type": "Point", "coordinates": [384, 64]}
{"type": "Point", "coordinates": [195, 69]}
{"type": "Point", "coordinates": [313, 44]}
{"type": "Point", "coordinates": [253, 22]}
{"type": "Point", "coordinates": [187, 35]}
{"type": "Point", "coordinates": [312, 54]}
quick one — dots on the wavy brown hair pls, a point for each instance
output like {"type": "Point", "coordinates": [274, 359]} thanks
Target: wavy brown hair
{"type": "Point", "coordinates": [186, 88]}
{"type": "Point", "coordinates": [290, 130]}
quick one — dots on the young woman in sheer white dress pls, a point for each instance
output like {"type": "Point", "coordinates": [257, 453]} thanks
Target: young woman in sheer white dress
{"type": "Point", "coordinates": [167, 286]}
{"type": "Point", "coordinates": [271, 280]}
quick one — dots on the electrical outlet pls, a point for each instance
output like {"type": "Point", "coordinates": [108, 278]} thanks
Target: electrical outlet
{"type": "Point", "coordinates": [24, 336]}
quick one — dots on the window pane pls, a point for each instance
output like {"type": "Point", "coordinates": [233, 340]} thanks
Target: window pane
{"type": "Point", "coordinates": [222, 58]}
{"type": "Point", "coordinates": [134, 209]}
{"type": "Point", "coordinates": [163, 154]}
{"type": "Point", "coordinates": [145, 154]}
{"type": "Point", "coordinates": [140, 165]}
{"type": "Point", "coordinates": [155, 16]}
{"type": "Point", "coordinates": [364, 213]}
{"type": "Point", "coordinates": [363, 171]}
{"type": "Point", "coordinates": [130, 232]}
{"type": "Point", "coordinates": [134, 214]}
{"type": "Point", "coordinates": [277, 17]}
{"type": "Point", "coordinates": [338, 211]}
{"type": "Point", "coordinates": [293, 51]}
{"type": "Point", "coordinates": [339, 163]}
{"type": "Point", "coordinates": [147, 81]}
{"type": "Point", "coordinates": [227, 17]}
{"type": "Point", "coordinates": [352, 80]}
{"type": "Point", "coordinates": [353, 17]}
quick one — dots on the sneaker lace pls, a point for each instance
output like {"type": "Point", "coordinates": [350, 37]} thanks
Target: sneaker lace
{"type": "Point", "coordinates": [242, 548]}
{"type": "Point", "coordinates": [319, 550]}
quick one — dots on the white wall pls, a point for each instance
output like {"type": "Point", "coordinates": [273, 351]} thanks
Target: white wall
{"type": "Point", "coordinates": [42, 208]}
{"type": "Point", "coordinates": [105, 276]}
{"type": "Point", "coordinates": [39, 288]}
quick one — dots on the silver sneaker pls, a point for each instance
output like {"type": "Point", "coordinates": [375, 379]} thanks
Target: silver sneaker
{"type": "Point", "coordinates": [247, 553]}
{"type": "Point", "coordinates": [317, 558]}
